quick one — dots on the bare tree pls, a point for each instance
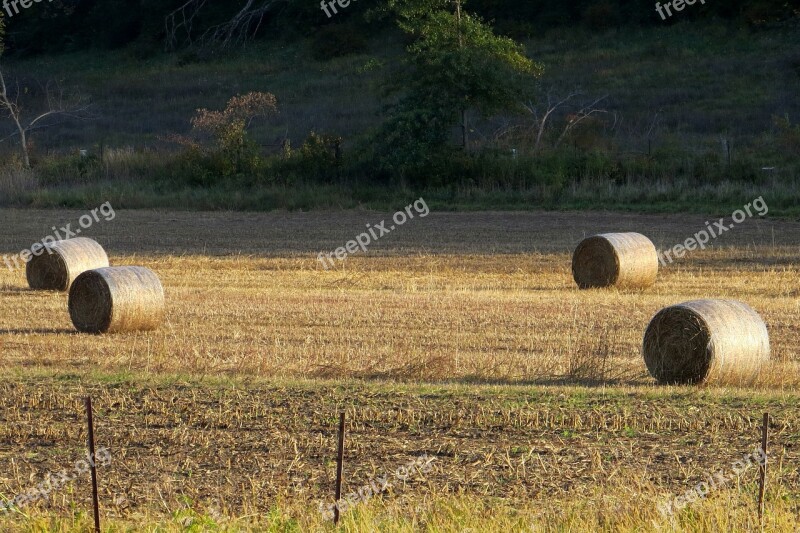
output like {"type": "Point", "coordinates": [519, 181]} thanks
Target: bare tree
{"type": "Point", "coordinates": [56, 106]}
{"type": "Point", "coordinates": [182, 20]}
{"type": "Point", "coordinates": [551, 107]}
{"type": "Point", "coordinates": [242, 27]}
{"type": "Point", "coordinates": [576, 118]}
{"type": "Point", "coordinates": [542, 115]}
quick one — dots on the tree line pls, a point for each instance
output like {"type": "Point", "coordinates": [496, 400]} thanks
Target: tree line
{"type": "Point", "coordinates": [164, 25]}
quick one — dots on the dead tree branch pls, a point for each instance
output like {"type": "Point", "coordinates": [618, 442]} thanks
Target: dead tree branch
{"type": "Point", "coordinates": [57, 105]}
{"type": "Point", "coordinates": [584, 113]}
{"type": "Point", "coordinates": [237, 31]}
{"type": "Point", "coordinates": [550, 108]}
{"type": "Point", "coordinates": [182, 20]}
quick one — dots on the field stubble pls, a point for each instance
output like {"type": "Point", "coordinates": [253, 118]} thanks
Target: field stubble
{"type": "Point", "coordinates": [433, 302]}
{"type": "Point", "coordinates": [429, 302]}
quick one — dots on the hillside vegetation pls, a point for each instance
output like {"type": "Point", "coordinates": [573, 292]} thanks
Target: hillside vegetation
{"type": "Point", "coordinates": [683, 114]}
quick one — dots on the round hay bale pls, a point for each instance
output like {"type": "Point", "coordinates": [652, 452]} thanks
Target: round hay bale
{"type": "Point", "coordinates": [624, 260]}
{"type": "Point", "coordinates": [116, 299]}
{"type": "Point", "coordinates": [61, 262]}
{"type": "Point", "coordinates": [706, 341]}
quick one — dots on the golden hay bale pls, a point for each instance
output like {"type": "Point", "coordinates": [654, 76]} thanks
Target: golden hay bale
{"type": "Point", "coordinates": [61, 262]}
{"type": "Point", "coordinates": [115, 299]}
{"type": "Point", "coordinates": [624, 260]}
{"type": "Point", "coordinates": [706, 341]}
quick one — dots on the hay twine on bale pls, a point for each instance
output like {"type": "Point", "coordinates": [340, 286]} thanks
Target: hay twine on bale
{"type": "Point", "coordinates": [623, 260]}
{"type": "Point", "coordinates": [117, 299]}
{"type": "Point", "coordinates": [706, 341]}
{"type": "Point", "coordinates": [61, 262]}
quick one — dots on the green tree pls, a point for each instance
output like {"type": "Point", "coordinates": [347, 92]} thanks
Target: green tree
{"type": "Point", "coordinates": [456, 65]}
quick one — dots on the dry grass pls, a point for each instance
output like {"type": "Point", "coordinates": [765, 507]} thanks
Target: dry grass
{"type": "Point", "coordinates": [248, 448]}
{"type": "Point", "coordinates": [15, 180]}
{"type": "Point", "coordinates": [430, 302]}
{"type": "Point", "coordinates": [399, 312]}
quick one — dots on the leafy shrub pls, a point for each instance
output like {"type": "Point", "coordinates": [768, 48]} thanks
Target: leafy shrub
{"type": "Point", "coordinates": [233, 152]}
{"type": "Point", "coordinates": [411, 145]}
{"type": "Point", "coordinates": [69, 170]}
{"type": "Point", "coordinates": [195, 168]}
{"type": "Point", "coordinates": [319, 160]}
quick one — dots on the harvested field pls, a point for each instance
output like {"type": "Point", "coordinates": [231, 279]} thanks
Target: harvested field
{"type": "Point", "coordinates": [426, 304]}
{"type": "Point", "coordinates": [250, 446]}
{"type": "Point", "coordinates": [524, 388]}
